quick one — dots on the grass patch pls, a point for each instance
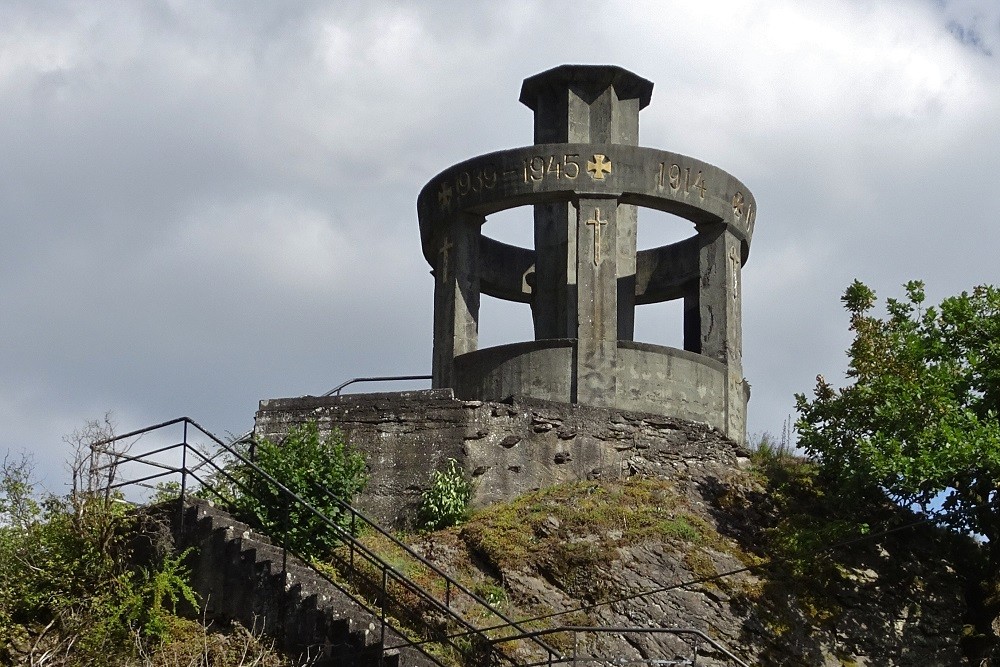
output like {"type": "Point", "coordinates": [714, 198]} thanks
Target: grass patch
{"type": "Point", "coordinates": [580, 523]}
{"type": "Point", "coordinates": [567, 533]}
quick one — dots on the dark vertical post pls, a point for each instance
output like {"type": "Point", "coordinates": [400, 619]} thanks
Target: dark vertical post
{"type": "Point", "coordinates": [692, 320]}
{"type": "Point", "coordinates": [582, 104]}
{"type": "Point", "coordinates": [183, 500]}
{"type": "Point", "coordinates": [719, 296]}
{"type": "Point", "coordinates": [456, 296]}
{"type": "Point", "coordinates": [385, 601]}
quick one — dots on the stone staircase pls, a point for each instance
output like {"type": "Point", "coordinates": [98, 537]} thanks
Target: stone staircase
{"type": "Point", "coordinates": [241, 576]}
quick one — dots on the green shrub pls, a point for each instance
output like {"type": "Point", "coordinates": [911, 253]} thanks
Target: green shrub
{"type": "Point", "coordinates": [66, 577]}
{"type": "Point", "coordinates": [446, 501]}
{"type": "Point", "coordinates": [317, 469]}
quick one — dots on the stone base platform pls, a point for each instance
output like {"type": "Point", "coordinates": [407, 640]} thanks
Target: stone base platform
{"type": "Point", "coordinates": [508, 448]}
{"type": "Point", "coordinates": [645, 378]}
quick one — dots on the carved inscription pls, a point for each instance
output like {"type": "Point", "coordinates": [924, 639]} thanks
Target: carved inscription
{"type": "Point", "coordinates": [540, 167]}
{"type": "Point", "coordinates": [445, 249]}
{"type": "Point", "coordinates": [738, 205]}
{"type": "Point", "coordinates": [597, 224]}
{"type": "Point", "coordinates": [742, 207]}
{"type": "Point", "coordinates": [465, 182]}
{"type": "Point", "coordinates": [681, 180]}
{"type": "Point", "coordinates": [444, 196]}
{"type": "Point", "coordinates": [734, 259]}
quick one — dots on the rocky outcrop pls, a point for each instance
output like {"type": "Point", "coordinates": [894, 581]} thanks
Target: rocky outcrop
{"type": "Point", "coordinates": [896, 600]}
{"type": "Point", "coordinates": [739, 556]}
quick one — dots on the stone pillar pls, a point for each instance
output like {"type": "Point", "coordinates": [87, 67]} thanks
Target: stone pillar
{"type": "Point", "coordinates": [597, 311]}
{"type": "Point", "coordinates": [582, 104]}
{"type": "Point", "coordinates": [456, 296]}
{"type": "Point", "coordinates": [720, 316]}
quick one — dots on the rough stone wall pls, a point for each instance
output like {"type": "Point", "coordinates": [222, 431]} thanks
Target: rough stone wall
{"type": "Point", "coordinates": [896, 603]}
{"type": "Point", "coordinates": [507, 448]}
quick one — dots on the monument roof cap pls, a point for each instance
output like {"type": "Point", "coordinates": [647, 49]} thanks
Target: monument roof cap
{"type": "Point", "coordinates": [597, 78]}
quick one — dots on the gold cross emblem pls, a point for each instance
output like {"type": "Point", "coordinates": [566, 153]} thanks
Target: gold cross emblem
{"type": "Point", "coordinates": [597, 224]}
{"type": "Point", "coordinates": [444, 197]}
{"type": "Point", "coordinates": [601, 165]}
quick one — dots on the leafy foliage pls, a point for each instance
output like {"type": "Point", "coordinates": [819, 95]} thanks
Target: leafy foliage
{"type": "Point", "coordinates": [920, 419]}
{"type": "Point", "coordinates": [317, 469]}
{"type": "Point", "coordinates": [446, 501]}
{"type": "Point", "coordinates": [65, 571]}
{"type": "Point", "coordinates": [155, 604]}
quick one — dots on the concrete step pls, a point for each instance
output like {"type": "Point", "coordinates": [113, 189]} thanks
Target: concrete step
{"type": "Point", "coordinates": [242, 576]}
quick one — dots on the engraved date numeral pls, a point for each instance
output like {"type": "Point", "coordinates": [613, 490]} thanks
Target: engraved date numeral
{"type": "Point", "coordinates": [477, 181]}
{"type": "Point", "coordinates": [466, 182]}
{"type": "Point", "coordinates": [741, 207]}
{"type": "Point", "coordinates": [540, 167]}
{"type": "Point", "coordinates": [681, 180]}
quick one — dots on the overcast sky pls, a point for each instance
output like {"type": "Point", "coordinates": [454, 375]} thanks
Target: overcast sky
{"type": "Point", "coordinates": [204, 204]}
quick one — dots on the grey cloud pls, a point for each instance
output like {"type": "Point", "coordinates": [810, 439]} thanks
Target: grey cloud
{"type": "Point", "coordinates": [205, 204]}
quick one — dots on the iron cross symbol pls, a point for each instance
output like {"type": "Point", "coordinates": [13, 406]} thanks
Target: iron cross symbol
{"type": "Point", "coordinates": [597, 223]}
{"type": "Point", "coordinates": [444, 197]}
{"type": "Point", "coordinates": [448, 245]}
{"type": "Point", "coordinates": [600, 166]}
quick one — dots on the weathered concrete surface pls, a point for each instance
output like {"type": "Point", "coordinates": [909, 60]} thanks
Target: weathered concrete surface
{"type": "Point", "coordinates": [648, 377]}
{"type": "Point", "coordinates": [508, 448]}
{"type": "Point", "coordinates": [240, 576]}
{"type": "Point", "coordinates": [580, 104]}
{"type": "Point", "coordinates": [894, 601]}
{"type": "Point", "coordinates": [586, 177]}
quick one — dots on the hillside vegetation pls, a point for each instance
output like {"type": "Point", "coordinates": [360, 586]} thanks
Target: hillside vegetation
{"type": "Point", "coordinates": [78, 586]}
{"type": "Point", "coordinates": [762, 557]}
{"type": "Point", "coordinates": [763, 560]}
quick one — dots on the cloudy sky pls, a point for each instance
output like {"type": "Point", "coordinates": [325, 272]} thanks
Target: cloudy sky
{"type": "Point", "coordinates": [204, 204]}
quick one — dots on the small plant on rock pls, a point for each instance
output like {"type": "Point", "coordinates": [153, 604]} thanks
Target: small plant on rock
{"type": "Point", "coordinates": [446, 502]}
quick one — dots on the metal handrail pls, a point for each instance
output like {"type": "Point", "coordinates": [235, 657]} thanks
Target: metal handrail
{"type": "Point", "coordinates": [388, 572]}
{"type": "Point", "coordinates": [625, 630]}
{"type": "Point", "coordinates": [336, 391]}
{"type": "Point", "coordinates": [356, 546]}
{"type": "Point", "coordinates": [450, 583]}
{"type": "Point", "coordinates": [156, 427]}
{"type": "Point", "coordinates": [382, 378]}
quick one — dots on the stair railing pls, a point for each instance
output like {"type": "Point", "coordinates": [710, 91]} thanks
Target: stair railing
{"type": "Point", "coordinates": [578, 657]}
{"type": "Point", "coordinates": [453, 593]}
{"type": "Point", "coordinates": [389, 579]}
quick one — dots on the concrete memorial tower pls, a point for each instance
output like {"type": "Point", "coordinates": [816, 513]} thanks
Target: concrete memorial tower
{"type": "Point", "coordinates": [586, 177]}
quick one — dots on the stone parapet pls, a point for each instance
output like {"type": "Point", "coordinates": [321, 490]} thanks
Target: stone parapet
{"type": "Point", "coordinates": [507, 447]}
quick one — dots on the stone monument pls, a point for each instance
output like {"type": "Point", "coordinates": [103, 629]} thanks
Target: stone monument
{"type": "Point", "coordinates": [586, 177]}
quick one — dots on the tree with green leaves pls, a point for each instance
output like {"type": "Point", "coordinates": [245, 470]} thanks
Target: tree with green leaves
{"type": "Point", "coordinates": [321, 469]}
{"type": "Point", "coordinates": [920, 419]}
